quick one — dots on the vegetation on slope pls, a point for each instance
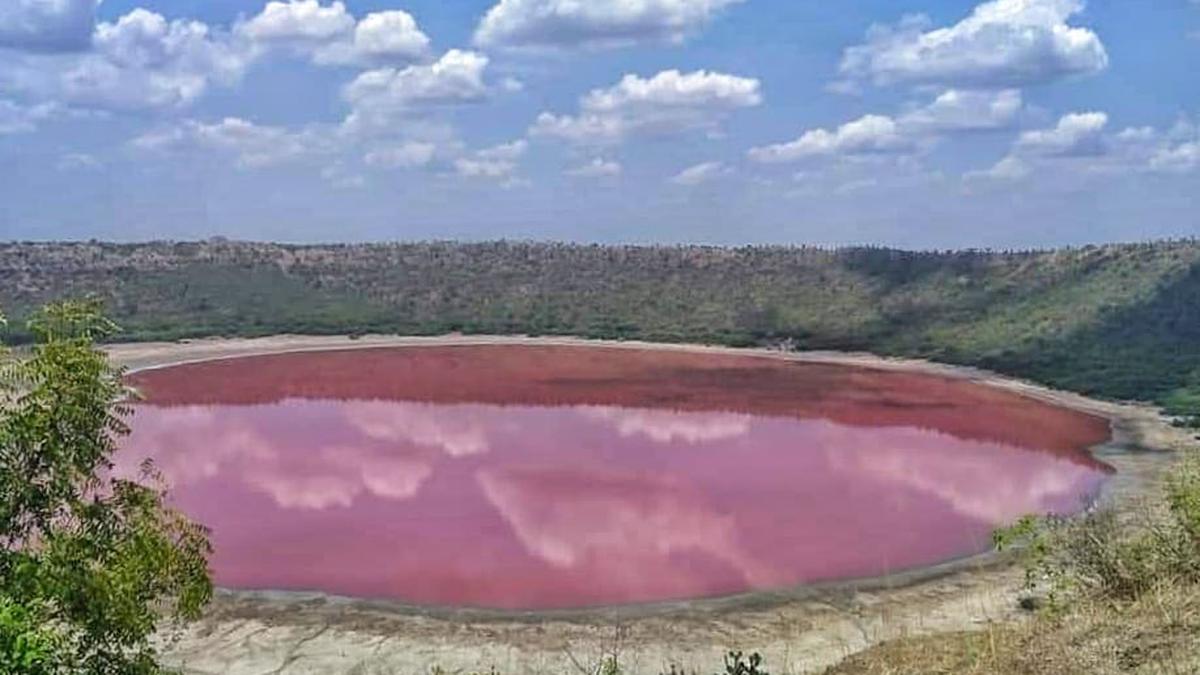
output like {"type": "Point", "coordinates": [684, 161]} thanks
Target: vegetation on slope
{"type": "Point", "coordinates": [1115, 321]}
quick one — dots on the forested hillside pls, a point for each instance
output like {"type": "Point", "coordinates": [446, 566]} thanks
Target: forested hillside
{"type": "Point", "coordinates": [1120, 321]}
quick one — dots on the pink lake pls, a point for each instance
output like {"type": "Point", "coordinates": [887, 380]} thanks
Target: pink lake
{"type": "Point", "coordinates": [538, 477]}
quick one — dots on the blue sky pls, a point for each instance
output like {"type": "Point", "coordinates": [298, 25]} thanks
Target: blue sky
{"type": "Point", "coordinates": [948, 123]}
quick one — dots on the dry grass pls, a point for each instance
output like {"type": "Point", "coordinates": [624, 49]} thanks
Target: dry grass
{"type": "Point", "coordinates": [1157, 633]}
{"type": "Point", "coordinates": [1132, 602]}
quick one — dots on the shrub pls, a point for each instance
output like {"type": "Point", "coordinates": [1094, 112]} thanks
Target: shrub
{"type": "Point", "coordinates": [90, 564]}
{"type": "Point", "coordinates": [1096, 555]}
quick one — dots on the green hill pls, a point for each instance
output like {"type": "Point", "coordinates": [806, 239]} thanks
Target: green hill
{"type": "Point", "coordinates": [1118, 321]}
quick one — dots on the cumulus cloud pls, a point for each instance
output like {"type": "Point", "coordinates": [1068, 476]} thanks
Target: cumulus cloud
{"type": "Point", "coordinates": [378, 96]}
{"type": "Point", "coordinates": [382, 36]}
{"type": "Point", "coordinates": [593, 24]}
{"type": "Point", "coordinates": [1081, 138]}
{"type": "Point", "coordinates": [330, 35]}
{"type": "Point", "coordinates": [47, 25]}
{"type": "Point", "coordinates": [1003, 43]}
{"type": "Point", "coordinates": [1007, 169]}
{"type": "Point", "coordinates": [403, 156]}
{"type": "Point", "coordinates": [700, 173]}
{"type": "Point", "coordinates": [597, 168]}
{"type": "Point", "coordinates": [251, 145]}
{"type": "Point", "coordinates": [139, 61]}
{"type": "Point", "coordinates": [1075, 135]}
{"type": "Point", "coordinates": [965, 110]}
{"type": "Point", "coordinates": [668, 102]}
{"type": "Point", "coordinates": [340, 175]}
{"type": "Point", "coordinates": [1175, 150]}
{"type": "Point", "coordinates": [953, 111]}
{"type": "Point", "coordinates": [671, 88]}
{"type": "Point", "coordinates": [1180, 158]}
{"type": "Point", "coordinates": [298, 20]}
{"type": "Point", "coordinates": [870, 134]}
{"type": "Point", "coordinates": [18, 119]}
{"type": "Point", "coordinates": [142, 60]}
{"type": "Point", "coordinates": [497, 162]}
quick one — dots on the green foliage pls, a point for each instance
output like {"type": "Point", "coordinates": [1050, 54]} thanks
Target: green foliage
{"type": "Point", "coordinates": [1115, 321]}
{"type": "Point", "coordinates": [26, 646]}
{"type": "Point", "coordinates": [90, 563]}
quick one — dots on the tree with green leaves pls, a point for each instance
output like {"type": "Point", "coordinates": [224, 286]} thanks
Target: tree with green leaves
{"type": "Point", "coordinates": [92, 565]}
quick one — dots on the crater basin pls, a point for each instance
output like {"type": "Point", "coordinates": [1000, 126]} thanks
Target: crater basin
{"type": "Point", "coordinates": [549, 477]}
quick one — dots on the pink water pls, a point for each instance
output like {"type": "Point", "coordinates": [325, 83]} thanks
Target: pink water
{"type": "Point", "coordinates": [555, 477]}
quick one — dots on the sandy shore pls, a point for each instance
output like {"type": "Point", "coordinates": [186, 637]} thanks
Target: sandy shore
{"type": "Point", "coordinates": [800, 630]}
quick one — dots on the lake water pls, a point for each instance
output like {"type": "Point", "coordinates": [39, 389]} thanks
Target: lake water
{"type": "Point", "coordinates": [537, 477]}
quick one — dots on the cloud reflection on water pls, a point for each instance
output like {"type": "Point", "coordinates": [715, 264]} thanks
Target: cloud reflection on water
{"type": "Point", "coordinates": [535, 506]}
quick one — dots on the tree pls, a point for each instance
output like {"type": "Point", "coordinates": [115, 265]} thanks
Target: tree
{"type": "Point", "coordinates": [91, 564]}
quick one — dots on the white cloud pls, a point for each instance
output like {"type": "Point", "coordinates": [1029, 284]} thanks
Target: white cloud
{"type": "Point", "coordinates": [484, 168]}
{"type": "Point", "coordinates": [497, 162]}
{"type": "Point", "coordinates": [139, 61]}
{"type": "Point", "coordinates": [391, 35]}
{"type": "Point", "coordinates": [583, 129]}
{"type": "Point", "coordinates": [700, 173]}
{"type": "Point", "coordinates": [1080, 138]}
{"type": "Point", "coordinates": [597, 168]}
{"type": "Point", "coordinates": [953, 111]}
{"type": "Point", "coordinates": [330, 35]}
{"type": "Point", "coordinates": [1076, 134]}
{"type": "Point", "coordinates": [965, 110]}
{"type": "Point", "coordinates": [341, 176]}
{"type": "Point", "coordinates": [1007, 169]}
{"type": "Point", "coordinates": [251, 145]}
{"type": "Point", "coordinates": [505, 151]}
{"type": "Point", "coordinates": [1177, 159]}
{"type": "Point", "coordinates": [404, 156]}
{"type": "Point", "coordinates": [668, 102]}
{"type": "Point", "coordinates": [298, 21]}
{"type": "Point", "coordinates": [671, 88]}
{"type": "Point", "coordinates": [1177, 150]}
{"type": "Point", "coordinates": [47, 25]}
{"type": "Point", "coordinates": [871, 134]}
{"type": "Point", "coordinates": [377, 96]}
{"type": "Point", "coordinates": [18, 119]}
{"type": "Point", "coordinates": [1003, 43]}
{"type": "Point", "coordinates": [595, 23]}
